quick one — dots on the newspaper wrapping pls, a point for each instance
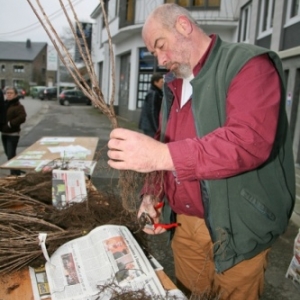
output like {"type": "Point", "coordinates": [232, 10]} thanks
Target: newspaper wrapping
{"type": "Point", "coordinates": [109, 253]}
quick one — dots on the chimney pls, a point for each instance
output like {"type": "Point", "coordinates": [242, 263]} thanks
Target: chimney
{"type": "Point", "coordinates": [28, 43]}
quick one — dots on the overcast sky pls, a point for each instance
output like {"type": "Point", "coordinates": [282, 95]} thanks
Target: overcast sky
{"type": "Point", "coordinates": [18, 21]}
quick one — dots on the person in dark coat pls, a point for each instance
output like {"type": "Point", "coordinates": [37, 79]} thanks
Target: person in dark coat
{"type": "Point", "coordinates": [15, 115]}
{"type": "Point", "coordinates": [151, 108]}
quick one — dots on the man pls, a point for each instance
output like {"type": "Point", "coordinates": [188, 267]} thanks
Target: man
{"type": "Point", "coordinates": [225, 151]}
{"type": "Point", "coordinates": [152, 104]}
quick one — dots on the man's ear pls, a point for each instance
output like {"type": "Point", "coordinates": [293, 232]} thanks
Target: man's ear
{"type": "Point", "coordinates": [184, 26]}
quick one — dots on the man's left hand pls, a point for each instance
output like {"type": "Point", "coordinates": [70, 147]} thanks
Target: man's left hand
{"type": "Point", "coordinates": [131, 150]}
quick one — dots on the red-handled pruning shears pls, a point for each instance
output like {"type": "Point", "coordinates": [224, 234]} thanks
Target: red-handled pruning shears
{"type": "Point", "coordinates": [159, 205]}
{"type": "Point", "coordinates": [146, 221]}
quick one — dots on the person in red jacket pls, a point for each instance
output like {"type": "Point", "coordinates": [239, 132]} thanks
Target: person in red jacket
{"type": "Point", "coordinates": [15, 115]}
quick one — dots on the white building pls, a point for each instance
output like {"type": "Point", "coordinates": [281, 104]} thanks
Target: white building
{"type": "Point", "coordinates": [274, 24]}
{"type": "Point", "coordinates": [133, 63]}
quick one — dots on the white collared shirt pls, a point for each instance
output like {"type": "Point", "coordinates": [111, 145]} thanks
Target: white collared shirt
{"type": "Point", "coordinates": [186, 91]}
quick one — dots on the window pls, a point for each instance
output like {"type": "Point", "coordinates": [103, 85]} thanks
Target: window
{"type": "Point", "coordinates": [147, 66]}
{"type": "Point", "coordinates": [19, 69]}
{"type": "Point", "coordinates": [17, 83]}
{"type": "Point", "coordinates": [129, 10]}
{"type": "Point", "coordinates": [126, 12]}
{"type": "Point", "coordinates": [266, 18]}
{"type": "Point", "coordinates": [292, 12]}
{"type": "Point", "coordinates": [205, 4]}
{"type": "Point", "coordinates": [3, 68]}
{"type": "Point", "coordinates": [244, 29]}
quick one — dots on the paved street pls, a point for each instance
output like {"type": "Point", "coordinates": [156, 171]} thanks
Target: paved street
{"type": "Point", "coordinates": [48, 118]}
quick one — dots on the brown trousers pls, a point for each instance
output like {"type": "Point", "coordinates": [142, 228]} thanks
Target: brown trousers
{"type": "Point", "coordinates": [194, 266]}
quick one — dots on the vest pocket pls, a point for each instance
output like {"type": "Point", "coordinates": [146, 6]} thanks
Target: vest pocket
{"type": "Point", "coordinates": [258, 205]}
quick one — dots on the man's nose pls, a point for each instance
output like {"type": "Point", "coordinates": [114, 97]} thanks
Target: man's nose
{"type": "Point", "coordinates": [161, 58]}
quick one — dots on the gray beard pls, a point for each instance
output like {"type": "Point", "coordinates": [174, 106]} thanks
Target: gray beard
{"type": "Point", "coordinates": [184, 71]}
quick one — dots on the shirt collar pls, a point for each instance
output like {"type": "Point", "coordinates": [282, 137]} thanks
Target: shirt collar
{"type": "Point", "coordinates": [204, 57]}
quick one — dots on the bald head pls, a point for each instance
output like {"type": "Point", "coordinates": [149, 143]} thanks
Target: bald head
{"type": "Point", "coordinates": [166, 15]}
{"type": "Point", "coordinates": [172, 35]}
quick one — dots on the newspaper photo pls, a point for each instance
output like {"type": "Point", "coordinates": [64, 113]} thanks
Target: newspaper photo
{"type": "Point", "coordinates": [39, 283]}
{"type": "Point", "coordinates": [108, 254]}
{"type": "Point", "coordinates": [68, 186]}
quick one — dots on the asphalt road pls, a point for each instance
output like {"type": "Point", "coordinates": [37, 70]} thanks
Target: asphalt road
{"type": "Point", "coordinates": [50, 119]}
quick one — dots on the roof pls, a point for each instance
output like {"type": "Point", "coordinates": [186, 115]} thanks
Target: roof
{"type": "Point", "coordinates": [19, 51]}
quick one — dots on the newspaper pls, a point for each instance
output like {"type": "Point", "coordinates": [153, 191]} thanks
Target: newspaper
{"type": "Point", "coordinates": [293, 271]}
{"type": "Point", "coordinates": [68, 186]}
{"type": "Point", "coordinates": [108, 254]}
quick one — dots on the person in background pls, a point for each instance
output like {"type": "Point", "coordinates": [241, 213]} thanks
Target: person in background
{"type": "Point", "coordinates": [225, 151]}
{"type": "Point", "coordinates": [2, 110]}
{"type": "Point", "coordinates": [15, 115]}
{"type": "Point", "coordinates": [151, 107]}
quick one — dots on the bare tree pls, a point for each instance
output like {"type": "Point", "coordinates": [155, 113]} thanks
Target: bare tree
{"type": "Point", "coordinates": [94, 93]}
{"type": "Point", "coordinates": [129, 181]}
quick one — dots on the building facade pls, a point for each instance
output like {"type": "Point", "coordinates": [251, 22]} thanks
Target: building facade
{"type": "Point", "coordinates": [23, 64]}
{"type": "Point", "coordinates": [273, 24]}
{"type": "Point", "coordinates": [134, 65]}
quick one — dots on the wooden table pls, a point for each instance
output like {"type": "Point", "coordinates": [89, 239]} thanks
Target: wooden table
{"type": "Point", "coordinates": [17, 286]}
{"type": "Point", "coordinates": [53, 148]}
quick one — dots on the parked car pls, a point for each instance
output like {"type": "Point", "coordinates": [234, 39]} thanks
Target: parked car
{"type": "Point", "coordinates": [36, 90]}
{"type": "Point", "coordinates": [49, 93]}
{"type": "Point", "coordinates": [73, 96]}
